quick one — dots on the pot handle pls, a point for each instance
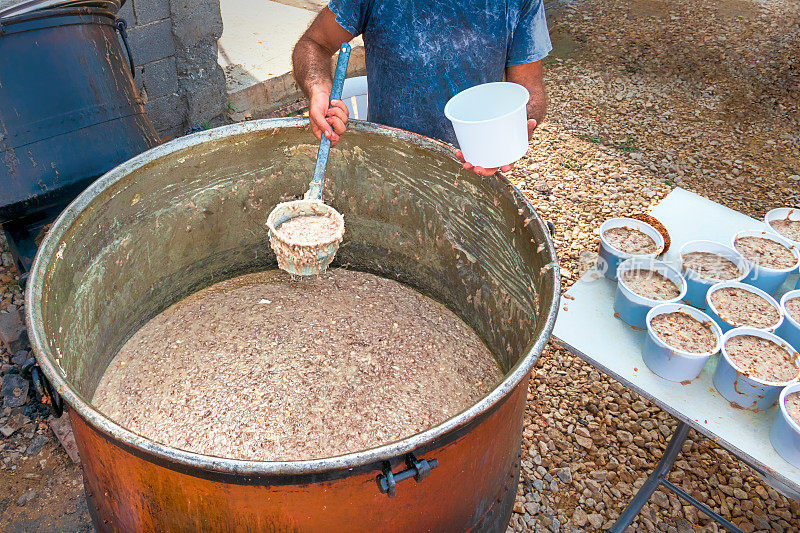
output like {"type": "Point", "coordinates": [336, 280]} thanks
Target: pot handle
{"type": "Point", "coordinates": [418, 469]}
{"type": "Point", "coordinates": [43, 386]}
{"type": "Point", "coordinates": [122, 27]}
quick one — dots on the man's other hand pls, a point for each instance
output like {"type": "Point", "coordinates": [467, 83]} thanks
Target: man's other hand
{"type": "Point", "coordinates": [330, 121]}
{"type": "Point", "coordinates": [485, 172]}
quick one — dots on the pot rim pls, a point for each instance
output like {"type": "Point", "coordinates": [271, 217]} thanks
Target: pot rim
{"type": "Point", "coordinates": [45, 357]}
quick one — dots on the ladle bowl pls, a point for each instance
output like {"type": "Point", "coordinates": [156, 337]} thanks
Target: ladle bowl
{"type": "Point", "coordinates": [299, 259]}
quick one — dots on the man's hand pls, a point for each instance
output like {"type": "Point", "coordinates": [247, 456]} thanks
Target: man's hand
{"type": "Point", "coordinates": [530, 76]}
{"type": "Point", "coordinates": [330, 121]}
{"type": "Point", "coordinates": [311, 62]}
{"type": "Point", "coordinates": [485, 172]}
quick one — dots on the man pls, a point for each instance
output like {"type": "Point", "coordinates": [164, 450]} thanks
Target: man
{"type": "Point", "coordinates": [419, 53]}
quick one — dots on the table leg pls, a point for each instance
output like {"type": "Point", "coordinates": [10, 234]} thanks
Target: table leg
{"type": "Point", "coordinates": [659, 477]}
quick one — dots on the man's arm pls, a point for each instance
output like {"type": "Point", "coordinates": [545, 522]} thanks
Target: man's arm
{"type": "Point", "coordinates": [311, 62]}
{"type": "Point", "coordinates": [530, 76]}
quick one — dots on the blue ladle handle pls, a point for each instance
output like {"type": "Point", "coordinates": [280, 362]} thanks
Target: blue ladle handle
{"type": "Point", "coordinates": [315, 190]}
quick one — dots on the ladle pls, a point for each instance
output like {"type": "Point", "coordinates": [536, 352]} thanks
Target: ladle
{"type": "Point", "coordinates": [300, 258]}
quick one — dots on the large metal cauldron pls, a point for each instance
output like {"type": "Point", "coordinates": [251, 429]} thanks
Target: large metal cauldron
{"type": "Point", "coordinates": [192, 212]}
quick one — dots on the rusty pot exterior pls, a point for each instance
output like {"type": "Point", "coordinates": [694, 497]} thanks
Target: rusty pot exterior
{"type": "Point", "coordinates": [473, 488]}
{"type": "Point", "coordinates": [192, 212]}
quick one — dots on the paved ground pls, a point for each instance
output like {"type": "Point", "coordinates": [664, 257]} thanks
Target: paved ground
{"type": "Point", "coordinates": [251, 50]}
{"type": "Point", "coordinates": [255, 51]}
{"type": "Point", "coordinates": [645, 95]}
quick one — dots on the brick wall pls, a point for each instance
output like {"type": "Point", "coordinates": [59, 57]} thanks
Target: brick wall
{"type": "Point", "coordinates": [174, 47]}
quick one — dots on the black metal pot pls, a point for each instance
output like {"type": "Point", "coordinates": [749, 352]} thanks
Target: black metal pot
{"type": "Point", "coordinates": [69, 110]}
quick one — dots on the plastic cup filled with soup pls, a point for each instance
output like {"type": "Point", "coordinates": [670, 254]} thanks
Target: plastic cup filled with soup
{"type": "Point", "coordinates": [680, 341]}
{"type": "Point", "coordinates": [771, 258]}
{"type": "Point", "coordinates": [785, 222]}
{"type": "Point", "coordinates": [790, 329]}
{"type": "Point", "coordinates": [785, 433]}
{"type": "Point", "coordinates": [734, 304]}
{"type": "Point", "coordinates": [623, 238]}
{"type": "Point", "coordinates": [706, 263]}
{"type": "Point", "coordinates": [644, 284]}
{"type": "Point", "coordinates": [753, 368]}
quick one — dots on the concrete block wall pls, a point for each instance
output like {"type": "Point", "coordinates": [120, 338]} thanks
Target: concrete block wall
{"type": "Point", "coordinates": [174, 47]}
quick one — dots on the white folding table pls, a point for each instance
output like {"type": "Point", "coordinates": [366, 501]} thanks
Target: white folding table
{"type": "Point", "coordinates": [587, 327]}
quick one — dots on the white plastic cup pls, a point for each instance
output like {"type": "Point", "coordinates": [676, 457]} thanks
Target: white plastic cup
{"type": "Point", "coordinates": [697, 286]}
{"type": "Point", "coordinates": [491, 123]}
{"type": "Point", "coordinates": [669, 362]}
{"type": "Point", "coordinates": [632, 308]}
{"type": "Point", "coordinates": [712, 311]}
{"type": "Point", "coordinates": [782, 213]}
{"type": "Point", "coordinates": [790, 329]}
{"type": "Point", "coordinates": [785, 434]}
{"type": "Point", "coordinates": [766, 278]}
{"type": "Point", "coordinates": [610, 258]}
{"type": "Point", "coordinates": [747, 391]}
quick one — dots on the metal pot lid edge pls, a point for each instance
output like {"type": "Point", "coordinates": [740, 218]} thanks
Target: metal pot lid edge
{"type": "Point", "coordinates": [12, 8]}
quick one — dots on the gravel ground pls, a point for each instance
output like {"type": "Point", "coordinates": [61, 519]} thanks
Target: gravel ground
{"type": "Point", "coordinates": [645, 95]}
{"type": "Point", "coordinates": [41, 489]}
{"type": "Point", "coordinates": [644, 98]}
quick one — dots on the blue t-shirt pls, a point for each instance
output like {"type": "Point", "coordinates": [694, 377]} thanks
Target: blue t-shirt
{"type": "Point", "coordinates": [420, 53]}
